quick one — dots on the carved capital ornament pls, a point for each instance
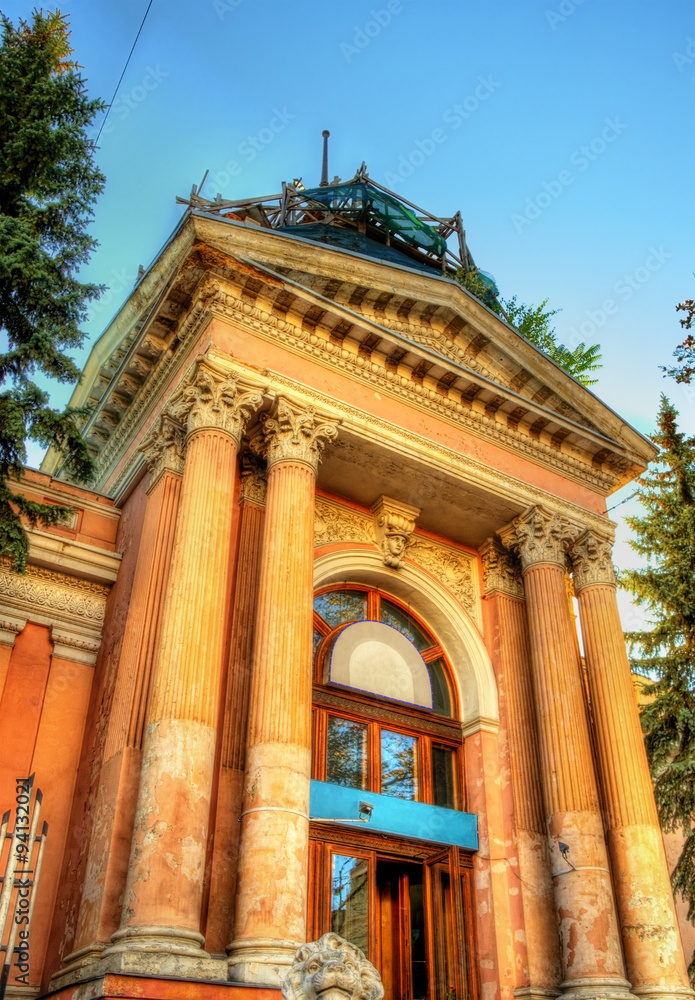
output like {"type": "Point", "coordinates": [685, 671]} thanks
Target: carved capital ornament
{"type": "Point", "coordinates": [214, 401]}
{"type": "Point", "coordinates": [294, 434]}
{"type": "Point", "coordinates": [501, 569]}
{"type": "Point", "coordinates": [592, 561]}
{"type": "Point", "coordinates": [540, 536]}
{"type": "Point", "coordinates": [164, 448]}
{"type": "Point", "coordinates": [394, 523]}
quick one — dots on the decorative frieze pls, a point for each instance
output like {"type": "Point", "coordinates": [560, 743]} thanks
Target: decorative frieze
{"type": "Point", "coordinates": [592, 560]}
{"type": "Point", "coordinates": [454, 569]}
{"type": "Point", "coordinates": [501, 569]}
{"type": "Point", "coordinates": [163, 448]}
{"type": "Point", "coordinates": [215, 401]}
{"type": "Point", "coordinates": [335, 523]}
{"type": "Point", "coordinates": [394, 523]}
{"type": "Point", "coordinates": [540, 536]}
{"type": "Point", "coordinates": [73, 608]}
{"type": "Point", "coordinates": [295, 434]}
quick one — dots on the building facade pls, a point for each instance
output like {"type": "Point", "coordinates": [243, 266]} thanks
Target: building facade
{"type": "Point", "coordinates": [305, 659]}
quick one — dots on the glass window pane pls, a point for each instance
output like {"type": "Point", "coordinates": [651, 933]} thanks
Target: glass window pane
{"type": "Point", "coordinates": [400, 620]}
{"type": "Point", "coordinates": [398, 765]}
{"type": "Point", "coordinates": [347, 753]}
{"type": "Point", "coordinates": [441, 698]}
{"type": "Point", "coordinates": [418, 952]}
{"type": "Point", "coordinates": [349, 899]}
{"type": "Point", "coordinates": [443, 777]}
{"type": "Point", "coordinates": [342, 606]}
{"type": "Point", "coordinates": [317, 640]}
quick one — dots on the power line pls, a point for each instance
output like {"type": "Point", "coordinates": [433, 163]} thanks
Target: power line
{"type": "Point", "coordinates": [120, 79]}
{"type": "Point", "coordinates": [609, 509]}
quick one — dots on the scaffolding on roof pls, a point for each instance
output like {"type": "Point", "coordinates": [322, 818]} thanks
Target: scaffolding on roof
{"type": "Point", "coordinates": [361, 204]}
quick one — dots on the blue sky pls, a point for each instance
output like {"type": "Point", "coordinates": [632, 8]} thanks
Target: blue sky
{"type": "Point", "coordinates": [561, 130]}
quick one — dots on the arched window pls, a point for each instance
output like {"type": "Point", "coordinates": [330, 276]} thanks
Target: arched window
{"type": "Point", "coordinates": [388, 870]}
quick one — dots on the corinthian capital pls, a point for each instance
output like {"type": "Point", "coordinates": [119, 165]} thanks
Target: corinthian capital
{"type": "Point", "coordinates": [215, 401]}
{"type": "Point", "coordinates": [540, 536]}
{"type": "Point", "coordinates": [592, 560]}
{"type": "Point", "coordinates": [501, 569]}
{"type": "Point", "coordinates": [294, 434]}
{"type": "Point", "coordinates": [163, 448]}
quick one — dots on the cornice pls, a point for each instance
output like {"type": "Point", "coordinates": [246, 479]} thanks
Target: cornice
{"type": "Point", "coordinates": [411, 445]}
{"type": "Point", "coordinates": [55, 553]}
{"type": "Point", "coordinates": [334, 356]}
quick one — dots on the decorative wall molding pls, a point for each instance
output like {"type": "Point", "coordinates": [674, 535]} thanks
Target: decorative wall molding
{"type": "Point", "coordinates": [455, 569]}
{"type": "Point", "coordinates": [394, 523]}
{"type": "Point", "coordinates": [592, 561]}
{"type": "Point", "coordinates": [501, 569]}
{"type": "Point", "coordinates": [10, 628]}
{"type": "Point", "coordinates": [335, 523]}
{"type": "Point", "coordinates": [72, 607]}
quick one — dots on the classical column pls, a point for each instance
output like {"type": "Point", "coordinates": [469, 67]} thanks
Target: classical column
{"type": "Point", "coordinates": [109, 848]}
{"type": "Point", "coordinates": [653, 950]}
{"type": "Point", "coordinates": [512, 656]}
{"type": "Point", "coordinates": [160, 924]}
{"type": "Point", "coordinates": [272, 877]}
{"type": "Point", "coordinates": [590, 940]}
{"type": "Point", "coordinates": [223, 879]}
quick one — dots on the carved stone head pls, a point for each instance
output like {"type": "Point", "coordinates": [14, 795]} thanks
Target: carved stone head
{"type": "Point", "coordinates": [331, 969]}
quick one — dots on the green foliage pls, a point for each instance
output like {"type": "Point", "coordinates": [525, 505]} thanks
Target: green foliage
{"type": "Point", "coordinates": [533, 322]}
{"type": "Point", "coordinates": [48, 185]}
{"type": "Point", "coordinates": [685, 352]}
{"type": "Point", "coordinates": [665, 537]}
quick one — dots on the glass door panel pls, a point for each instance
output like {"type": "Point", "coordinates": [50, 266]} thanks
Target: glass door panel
{"type": "Point", "coordinates": [350, 899]}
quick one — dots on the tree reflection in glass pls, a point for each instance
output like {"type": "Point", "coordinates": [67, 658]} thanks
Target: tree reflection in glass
{"type": "Point", "coordinates": [340, 606]}
{"type": "Point", "coordinates": [349, 897]}
{"type": "Point", "coordinates": [398, 765]}
{"type": "Point", "coordinates": [347, 753]}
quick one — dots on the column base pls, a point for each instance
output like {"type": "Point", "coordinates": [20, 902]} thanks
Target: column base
{"type": "Point", "coordinates": [596, 989]}
{"type": "Point", "coordinates": [535, 993]}
{"type": "Point", "coordinates": [161, 951]}
{"type": "Point", "coordinates": [665, 992]}
{"type": "Point", "coordinates": [261, 961]}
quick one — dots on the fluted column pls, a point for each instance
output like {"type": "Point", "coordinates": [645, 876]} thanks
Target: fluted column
{"type": "Point", "coordinates": [160, 925]}
{"type": "Point", "coordinates": [273, 862]}
{"type": "Point", "coordinates": [590, 940]}
{"type": "Point", "coordinates": [653, 950]}
{"type": "Point", "coordinates": [109, 849]}
{"type": "Point", "coordinates": [504, 590]}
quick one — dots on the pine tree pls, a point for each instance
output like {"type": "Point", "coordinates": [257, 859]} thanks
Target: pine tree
{"type": "Point", "coordinates": [48, 185]}
{"type": "Point", "coordinates": [533, 322]}
{"type": "Point", "coordinates": [665, 537]}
